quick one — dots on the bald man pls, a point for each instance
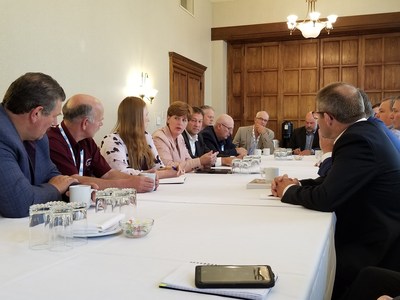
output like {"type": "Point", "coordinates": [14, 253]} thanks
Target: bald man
{"type": "Point", "coordinates": [75, 153]}
{"type": "Point", "coordinates": [219, 137]}
{"type": "Point", "coordinates": [305, 140]}
{"type": "Point", "coordinates": [256, 136]}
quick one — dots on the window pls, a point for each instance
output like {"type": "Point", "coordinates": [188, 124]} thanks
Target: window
{"type": "Point", "coordinates": [188, 5]}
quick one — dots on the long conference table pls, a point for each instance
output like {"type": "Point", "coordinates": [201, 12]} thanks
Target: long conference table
{"type": "Point", "coordinates": [211, 218]}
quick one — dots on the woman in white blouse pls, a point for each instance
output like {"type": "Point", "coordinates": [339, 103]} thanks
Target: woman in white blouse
{"type": "Point", "coordinates": [130, 149]}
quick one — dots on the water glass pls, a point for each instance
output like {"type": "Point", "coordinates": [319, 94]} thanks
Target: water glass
{"type": "Point", "coordinates": [61, 230]}
{"type": "Point", "coordinates": [39, 226]}
{"type": "Point", "coordinates": [80, 223]}
{"type": "Point", "coordinates": [236, 165]}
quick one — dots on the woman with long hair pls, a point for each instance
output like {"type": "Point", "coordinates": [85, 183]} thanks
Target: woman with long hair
{"type": "Point", "coordinates": [130, 148]}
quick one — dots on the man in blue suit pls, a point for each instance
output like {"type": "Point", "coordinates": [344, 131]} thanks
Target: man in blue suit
{"type": "Point", "coordinates": [27, 175]}
{"type": "Point", "coordinates": [361, 187]}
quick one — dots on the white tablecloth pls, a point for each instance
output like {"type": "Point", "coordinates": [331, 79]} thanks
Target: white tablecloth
{"type": "Point", "coordinates": [209, 218]}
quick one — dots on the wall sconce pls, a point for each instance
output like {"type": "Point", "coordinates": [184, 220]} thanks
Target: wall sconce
{"type": "Point", "coordinates": [145, 90]}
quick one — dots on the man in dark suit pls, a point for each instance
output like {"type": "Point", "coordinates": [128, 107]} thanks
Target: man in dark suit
{"type": "Point", "coordinates": [305, 140]}
{"type": "Point", "coordinates": [361, 187]}
{"type": "Point", "coordinates": [193, 140]}
{"type": "Point", "coordinates": [219, 138]}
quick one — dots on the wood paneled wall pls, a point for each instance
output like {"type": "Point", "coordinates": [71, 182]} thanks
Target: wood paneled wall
{"type": "Point", "coordinates": [284, 77]}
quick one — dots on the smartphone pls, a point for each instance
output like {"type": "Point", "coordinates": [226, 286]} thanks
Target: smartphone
{"type": "Point", "coordinates": [234, 276]}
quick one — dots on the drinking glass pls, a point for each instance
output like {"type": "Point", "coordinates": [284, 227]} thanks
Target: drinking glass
{"type": "Point", "coordinates": [236, 165]}
{"type": "Point", "coordinates": [61, 234]}
{"type": "Point", "coordinates": [39, 226]}
{"type": "Point", "coordinates": [126, 199]}
{"type": "Point", "coordinates": [80, 223]}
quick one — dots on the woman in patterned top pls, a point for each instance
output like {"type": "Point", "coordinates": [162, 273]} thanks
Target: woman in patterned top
{"type": "Point", "coordinates": [130, 149]}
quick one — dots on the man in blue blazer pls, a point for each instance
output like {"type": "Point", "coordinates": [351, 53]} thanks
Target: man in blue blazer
{"type": "Point", "coordinates": [362, 186]}
{"type": "Point", "coordinates": [27, 175]}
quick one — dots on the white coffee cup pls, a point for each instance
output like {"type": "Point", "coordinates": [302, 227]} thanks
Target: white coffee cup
{"type": "Point", "coordinates": [152, 176]}
{"type": "Point", "coordinates": [81, 193]}
{"type": "Point", "coordinates": [266, 151]}
{"type": "Point", "coordinates": [269, 173]}
{"type": "Point", "coordinates": [257, 152]}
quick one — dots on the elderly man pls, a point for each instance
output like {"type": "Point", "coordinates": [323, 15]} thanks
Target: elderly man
{"type": "Point", "coordinates": [361, 187]}
{"type": "Point", "coordinates": [256, 136]}
{"type": "Point", "coordinates": [27, 175]}
{"type": "Point", "coordinates": [75, 153]}
{"type": "Point", "coordinates": [305, 140]}
{"type": "Point", "coordinates": [219, 138]}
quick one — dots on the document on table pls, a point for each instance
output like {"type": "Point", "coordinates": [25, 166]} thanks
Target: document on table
{"type": "Point", "coordinates": [172, 180]}
{"type": "Point", "coordinates": [183, 279]}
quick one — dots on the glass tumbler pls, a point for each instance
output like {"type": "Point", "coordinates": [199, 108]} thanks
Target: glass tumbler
{"type": "Point", "coordinates": [127, 203]}
{"type": "Point", "coordinates": [39, 226]}
{"type": "Point", "coordinates": [61, 231]}
{"type": "Point", "coordinates": [236, 165]}
{"type": "Point", "coordinates": [80, 223]}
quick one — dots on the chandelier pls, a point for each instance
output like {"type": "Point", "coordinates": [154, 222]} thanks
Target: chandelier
{"type": "Point", "coordinates": [311, 26]}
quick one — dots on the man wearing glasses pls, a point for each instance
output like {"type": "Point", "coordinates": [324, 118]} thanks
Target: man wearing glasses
{"type": "Point", "coordinates": [362, 186]}
{"type": "Point", "coordinates": [219, 138]}
{"type": "Point", "coordinates": [256, 136]}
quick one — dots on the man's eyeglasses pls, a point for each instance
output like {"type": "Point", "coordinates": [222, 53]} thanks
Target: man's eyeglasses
{"type": "Point", "coordinates": [227, 127]}
{"type": "Point", "coordinates": [262, 119]}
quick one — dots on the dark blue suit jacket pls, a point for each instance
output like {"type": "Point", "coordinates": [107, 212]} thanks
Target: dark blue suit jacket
{"type": "Point", "coordinates": [20, 187]}
{"type": "Point", "coordinates": [298, 139]}
{"type": "Point", "coordinates": [210, 139]}
{"type": "Point", "coordinates": [362, 188]}
{"type": "Point", "coordinates": [201, 147]}
{"type": "Point", "coordinates": [327, 163]}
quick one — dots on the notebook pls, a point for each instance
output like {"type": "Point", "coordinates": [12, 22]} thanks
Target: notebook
{"type": "Point", "coordinates": [183, 279]}
{"type": "Point", "coordinates": [173, 180]}
{"type": "Point", "coordinates": [258, 183]}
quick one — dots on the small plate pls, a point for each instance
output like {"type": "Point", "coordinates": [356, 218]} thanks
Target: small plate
{"type": "Point", "coordinates": [110, 231]}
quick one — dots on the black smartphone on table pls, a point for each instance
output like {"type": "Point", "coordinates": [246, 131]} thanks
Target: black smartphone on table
{"type": "Point", "coordinates": [234, 276]}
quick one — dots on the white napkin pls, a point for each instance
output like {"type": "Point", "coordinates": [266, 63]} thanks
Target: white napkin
{"type": "Point", "coordinates": [98, 222]}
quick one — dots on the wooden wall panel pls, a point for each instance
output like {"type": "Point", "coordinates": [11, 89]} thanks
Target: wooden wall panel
{"type": "Point", "coordinates": [350, 52]}
{"type": "Point", "coordinates": [329, 75]}
{"type": "Point", "coordinates": [391, 77]}
{"type": "Point", "coordinates": [291, 80]}
{"type": "Point", "coordinates": [392, 49]}
{"type": "Point", "coordinates": [381, 66]}
{"type": "Point", "coordinates": [309, 81]}
{"type": "Point", "coordinates": [271, 56]}
{"type": "Point", "coordinates": [270, 82]}
{"type": "Point", "coordinates": [284, 77]}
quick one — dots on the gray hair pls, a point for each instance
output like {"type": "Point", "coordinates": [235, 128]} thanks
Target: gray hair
{"type": "Point", "coordinates": [77, 112]}
{"type": "Point", "coordinates": [341, 100]}
{"type": "Point", "coordinates": [32, 90]}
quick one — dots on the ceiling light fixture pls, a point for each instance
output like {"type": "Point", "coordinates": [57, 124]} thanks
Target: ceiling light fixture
{"type": "Point", "coordinates": [311, 26]}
